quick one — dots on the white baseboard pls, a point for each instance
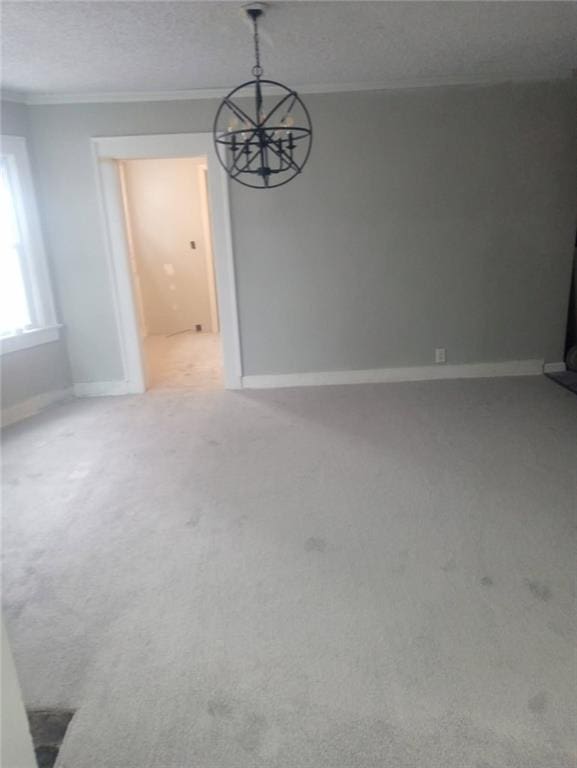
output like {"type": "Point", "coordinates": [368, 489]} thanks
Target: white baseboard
{"type": "Point", "coordinates": [554, 367]}
{"type": "Point", "coordinates": [383, 375]}
{"type": "Point", "coordinates": [102, 388]}
{"type": "Point", "coordinates": [33, 405]}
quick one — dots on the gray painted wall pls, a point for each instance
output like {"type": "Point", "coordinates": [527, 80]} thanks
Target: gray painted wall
{"type": "Point", "coordinates": [14, 119]}
{"type": "Point", "coordinates": [425, 218]}
{"type": "Point", "coordinates": [35, 371]}
{"type": "Point", "coordinates": [42, 369]}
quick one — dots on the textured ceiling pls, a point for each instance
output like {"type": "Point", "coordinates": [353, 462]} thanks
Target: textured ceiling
{"type": "Point", "coordinates": [91, 47]}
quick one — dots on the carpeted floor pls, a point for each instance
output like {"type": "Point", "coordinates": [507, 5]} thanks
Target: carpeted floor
{"type": "Point", "coordinates": [356, 577]}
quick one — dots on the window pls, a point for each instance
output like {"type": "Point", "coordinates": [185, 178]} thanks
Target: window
{"type": "Point", "coordinates": [14, 311]}
{"type": "Point", "coordinates": [27, 315]}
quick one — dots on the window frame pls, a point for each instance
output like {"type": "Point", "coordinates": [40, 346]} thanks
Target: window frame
{"type": "Point", "coordinates": [33, 255]}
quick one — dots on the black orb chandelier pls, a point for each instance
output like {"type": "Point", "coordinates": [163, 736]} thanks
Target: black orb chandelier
{"type": "Point", "coordinates": [262, 130]}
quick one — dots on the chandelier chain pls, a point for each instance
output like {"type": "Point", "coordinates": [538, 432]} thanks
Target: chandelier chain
{"type": "Point", "coordinates": [257, 70]}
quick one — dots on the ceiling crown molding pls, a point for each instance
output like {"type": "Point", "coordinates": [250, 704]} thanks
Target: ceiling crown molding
{"type": "Point", "coordinates": [37, 99]}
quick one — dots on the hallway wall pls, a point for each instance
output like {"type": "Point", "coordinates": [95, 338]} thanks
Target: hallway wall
{"type": "Point", "coordinates": [164, 199]}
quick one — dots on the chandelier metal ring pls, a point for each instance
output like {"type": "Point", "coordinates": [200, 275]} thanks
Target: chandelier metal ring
{"type": "Point", "coordinates": [262, 129]}
{"type": "Point", "coordinates": [262, 153]}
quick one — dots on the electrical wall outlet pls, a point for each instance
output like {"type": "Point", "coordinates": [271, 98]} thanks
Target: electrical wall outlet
{"type": "Point", "coordinates": [440, 355]}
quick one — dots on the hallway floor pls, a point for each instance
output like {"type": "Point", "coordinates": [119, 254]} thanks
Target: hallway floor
{"type": "Point", "coordinates": [372, 576]}
{"type": "Point", "coordinates": [185, 360]}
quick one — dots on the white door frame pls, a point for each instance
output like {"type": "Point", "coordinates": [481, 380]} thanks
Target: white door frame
{"type": "Point", "coordinates": [202, 178]}
{"type": "Point", "coordinates": [106, 151]}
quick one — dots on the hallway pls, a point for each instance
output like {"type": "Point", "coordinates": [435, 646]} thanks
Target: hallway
{"type": "Point", "coordinates": [185, 360]}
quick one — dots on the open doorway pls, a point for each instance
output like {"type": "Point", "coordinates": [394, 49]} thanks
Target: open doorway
{"type": "Point", "coordinates": [168, 232]}
{"type": "Point", "coordinates": [108, 151]}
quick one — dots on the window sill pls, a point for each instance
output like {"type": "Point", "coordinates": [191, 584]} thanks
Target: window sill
{"type": "Point", "coordinates": [28, 339]}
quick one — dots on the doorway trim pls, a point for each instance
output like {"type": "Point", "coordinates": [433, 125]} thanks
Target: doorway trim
{"type": "Point", "coordinates": [202, 178]}
{"type": "Point", "coordinates": [106, 152]}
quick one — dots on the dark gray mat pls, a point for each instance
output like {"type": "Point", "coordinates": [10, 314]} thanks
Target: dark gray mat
{"type": "Point", "coordinates": [47, 728]}
{"type": "Point", "coordinates": [567, 379]}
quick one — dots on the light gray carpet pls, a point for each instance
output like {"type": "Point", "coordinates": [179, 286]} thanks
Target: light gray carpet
{"type": "Point", "coordinates": [357, 577]}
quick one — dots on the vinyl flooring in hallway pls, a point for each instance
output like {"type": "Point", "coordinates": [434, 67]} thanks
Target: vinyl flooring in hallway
{"type": "Point", "coordinates": [185, 360]}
